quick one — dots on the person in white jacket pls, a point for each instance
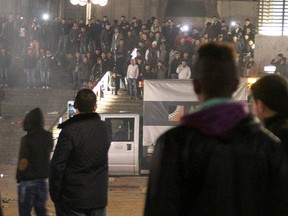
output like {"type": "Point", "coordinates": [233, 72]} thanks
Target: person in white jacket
{"type": "Point", "coordinates": [183, 71]}
{"type": "Point", "coordinates": [132, 76]}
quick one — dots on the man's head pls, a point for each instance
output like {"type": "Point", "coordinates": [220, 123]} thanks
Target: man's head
{"type": "Point", "coordinates": [183, 63]}
{"type": "Point", "coordinates": [270, 94]}
{"type": "Point", "coordinates": [279, 56]}
{"type": "Point", "coordinates": [132, 61]}
{"type": "Point", "coordinates": [216, 74]}
{"type": "Point", "coordinates": [85, 101]}
{"type": "Point", "coordinates": [247, 21]}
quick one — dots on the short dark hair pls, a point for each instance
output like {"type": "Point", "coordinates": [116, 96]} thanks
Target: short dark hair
{"type": "Point", "coordinates": [273, 91]}
{"type": "Point", "coordinates": [85, 100]}
{"type": "Point", "coordinates": [215, 69]}
{"type": "Point", "coordinates": [280, 55]}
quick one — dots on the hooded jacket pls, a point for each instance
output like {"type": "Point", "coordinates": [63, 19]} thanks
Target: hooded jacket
{"type": "Point", "coordinates": [220, 161]}
{"type": "Point", "coordinates": [79, 168]}
{"type": "Point", "coordinates": [35, 148]}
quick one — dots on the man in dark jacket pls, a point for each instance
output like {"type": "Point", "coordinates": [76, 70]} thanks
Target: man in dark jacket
{"type": "Point", "coordinates": [219, 161]}
{"type": "Point", "coordinates": [79, 167]}
{"type": "Point", "coordinates": [106, 38]}
{"type": "Point", "coordinates": [270, 94]}
{"type": "Point", "coordinates": [32, 170]}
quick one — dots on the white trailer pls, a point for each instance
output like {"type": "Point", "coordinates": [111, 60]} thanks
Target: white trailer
{"type": "Point", "coordinates": [134, 136]}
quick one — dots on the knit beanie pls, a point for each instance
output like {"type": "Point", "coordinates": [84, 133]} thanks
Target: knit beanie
{"type": "Point", "coordinates": [273, 91]}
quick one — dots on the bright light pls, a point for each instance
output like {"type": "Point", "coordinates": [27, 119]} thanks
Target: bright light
{"type": "Point", "coordinates": [103, 2]}
{"type": "Point", "coordinates": [233, 23]}
{"type": "Point", "coordinates": [74, 2]}
{"type": "Point", "coordinates": [185, 28]}
{"type": "Point", "coordinates": [45, 16]}
{"type": "Point", "coordinates": [134, 53]}
{"type": "Point", "coordinates": [270, 69]}
{"type": "Point", "coordinates": [83, 2]}
{"type": "Point", "coordinates": [272, 17]}
{"type": "Point", "coordinates": [252, 80]}
{"type": "Point", "coordinates": [95, 1]}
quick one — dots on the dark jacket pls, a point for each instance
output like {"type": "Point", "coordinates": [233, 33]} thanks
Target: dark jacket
{"type": "Point", "coordinates": [106, 36]}
{"type": "Point", "coordinates": [36, 147]}
{"type": "Point", "coordinates": [278, 125]}
{"type": "Point", "coordinates": [30, 62]}
{"type": "Point", "coordinates": [220, 161]}
{"type": "Point", "coordinates": [5, 61]}
{"type": "Point", "coordinates": [79, 167]}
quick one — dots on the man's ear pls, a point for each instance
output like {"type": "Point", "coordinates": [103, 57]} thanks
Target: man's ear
{"type": "Point", "coordinates": [261, 107]}
{"type": "Point", "coordinates": [197, 86]}
{"type": "Point", "coordinates": [95, 107]}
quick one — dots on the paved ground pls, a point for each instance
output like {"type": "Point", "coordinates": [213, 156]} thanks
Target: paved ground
{"type": "Point", "coordinates": [126, 194]}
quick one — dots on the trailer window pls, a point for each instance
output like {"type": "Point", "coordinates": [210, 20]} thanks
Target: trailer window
{"type": "Point", "coordinates": [122, 128]}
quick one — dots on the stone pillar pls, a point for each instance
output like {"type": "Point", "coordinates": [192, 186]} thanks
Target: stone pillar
{"type": "Point", "coordinates": [61, 11]}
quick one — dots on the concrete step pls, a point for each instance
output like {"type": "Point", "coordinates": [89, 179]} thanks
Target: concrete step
{"type": "Point", "coordinates": [18, 102]}
{"type": "Point", "coordinates": [53, 102]}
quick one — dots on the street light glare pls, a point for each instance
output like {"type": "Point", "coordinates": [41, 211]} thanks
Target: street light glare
{"type": "Point", "coordinates": [86, 2]}
{"type": "Point", "coordinates": [103, 2]}
{"type": "Point", "coordinates": [74, 2]}
{"type": "Point", "coordinates": [83, 2]}
{"type": "Point", "coordinates": [45, 17]}
{"type": "Point", "coordinates": [95, 1]}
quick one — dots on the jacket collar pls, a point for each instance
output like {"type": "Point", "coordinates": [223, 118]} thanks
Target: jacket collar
{"type": "Point", "coordinates": [219, 119]}
{"type": "Point", "coordinates": [78, 118]}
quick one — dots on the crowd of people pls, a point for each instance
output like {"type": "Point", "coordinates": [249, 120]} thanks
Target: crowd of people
{"type": "Point", "coordinates": [220, 160]}
{"type": "Point", "coordinates": [83, 51]}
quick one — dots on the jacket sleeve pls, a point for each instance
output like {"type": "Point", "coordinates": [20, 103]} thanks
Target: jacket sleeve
{"type": "Point", "coordinates": [58, 164]}
{"type": "Point", "coordinates": [22, 161]}
{"type": "Point", "coordinates": [164, 185]}
{"type": "Point", "coordinates": [278, 201]}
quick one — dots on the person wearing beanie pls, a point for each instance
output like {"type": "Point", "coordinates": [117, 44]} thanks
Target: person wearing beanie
{"type": "Point", "coordinates": [270, 105]}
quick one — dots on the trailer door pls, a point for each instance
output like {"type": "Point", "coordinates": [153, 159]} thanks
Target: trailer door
{"type": "Point", "coordinates": [124, 149]}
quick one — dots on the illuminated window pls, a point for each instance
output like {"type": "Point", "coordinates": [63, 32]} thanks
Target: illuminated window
{"type": "Point", "coordinates": [273, 17]}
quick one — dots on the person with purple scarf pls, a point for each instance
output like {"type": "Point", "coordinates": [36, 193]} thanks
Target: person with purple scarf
{"type": "Point", "coordinates": [220, 160]}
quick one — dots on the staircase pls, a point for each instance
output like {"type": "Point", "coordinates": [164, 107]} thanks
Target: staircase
{"type": "Point", "coordinates": [53, 103]}
{"type": "Point", "coordinates": [18, 102]}
{"type": "Point", "coordinates": [119, 104]}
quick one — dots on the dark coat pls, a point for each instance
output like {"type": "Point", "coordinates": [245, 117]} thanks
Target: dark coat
{"type": "Point", "coordinates": [216, 164]}
{"type": "Point", "coordinates": [79, 167]}
{"type": "Point", "coordinates": [30, 62]}
{"type": "Point", "coordinates": [35, 147]}
{"type": "Point", "coordinates": [5, 61]}
{"type": "Point", "coordinates": [279, 126]}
